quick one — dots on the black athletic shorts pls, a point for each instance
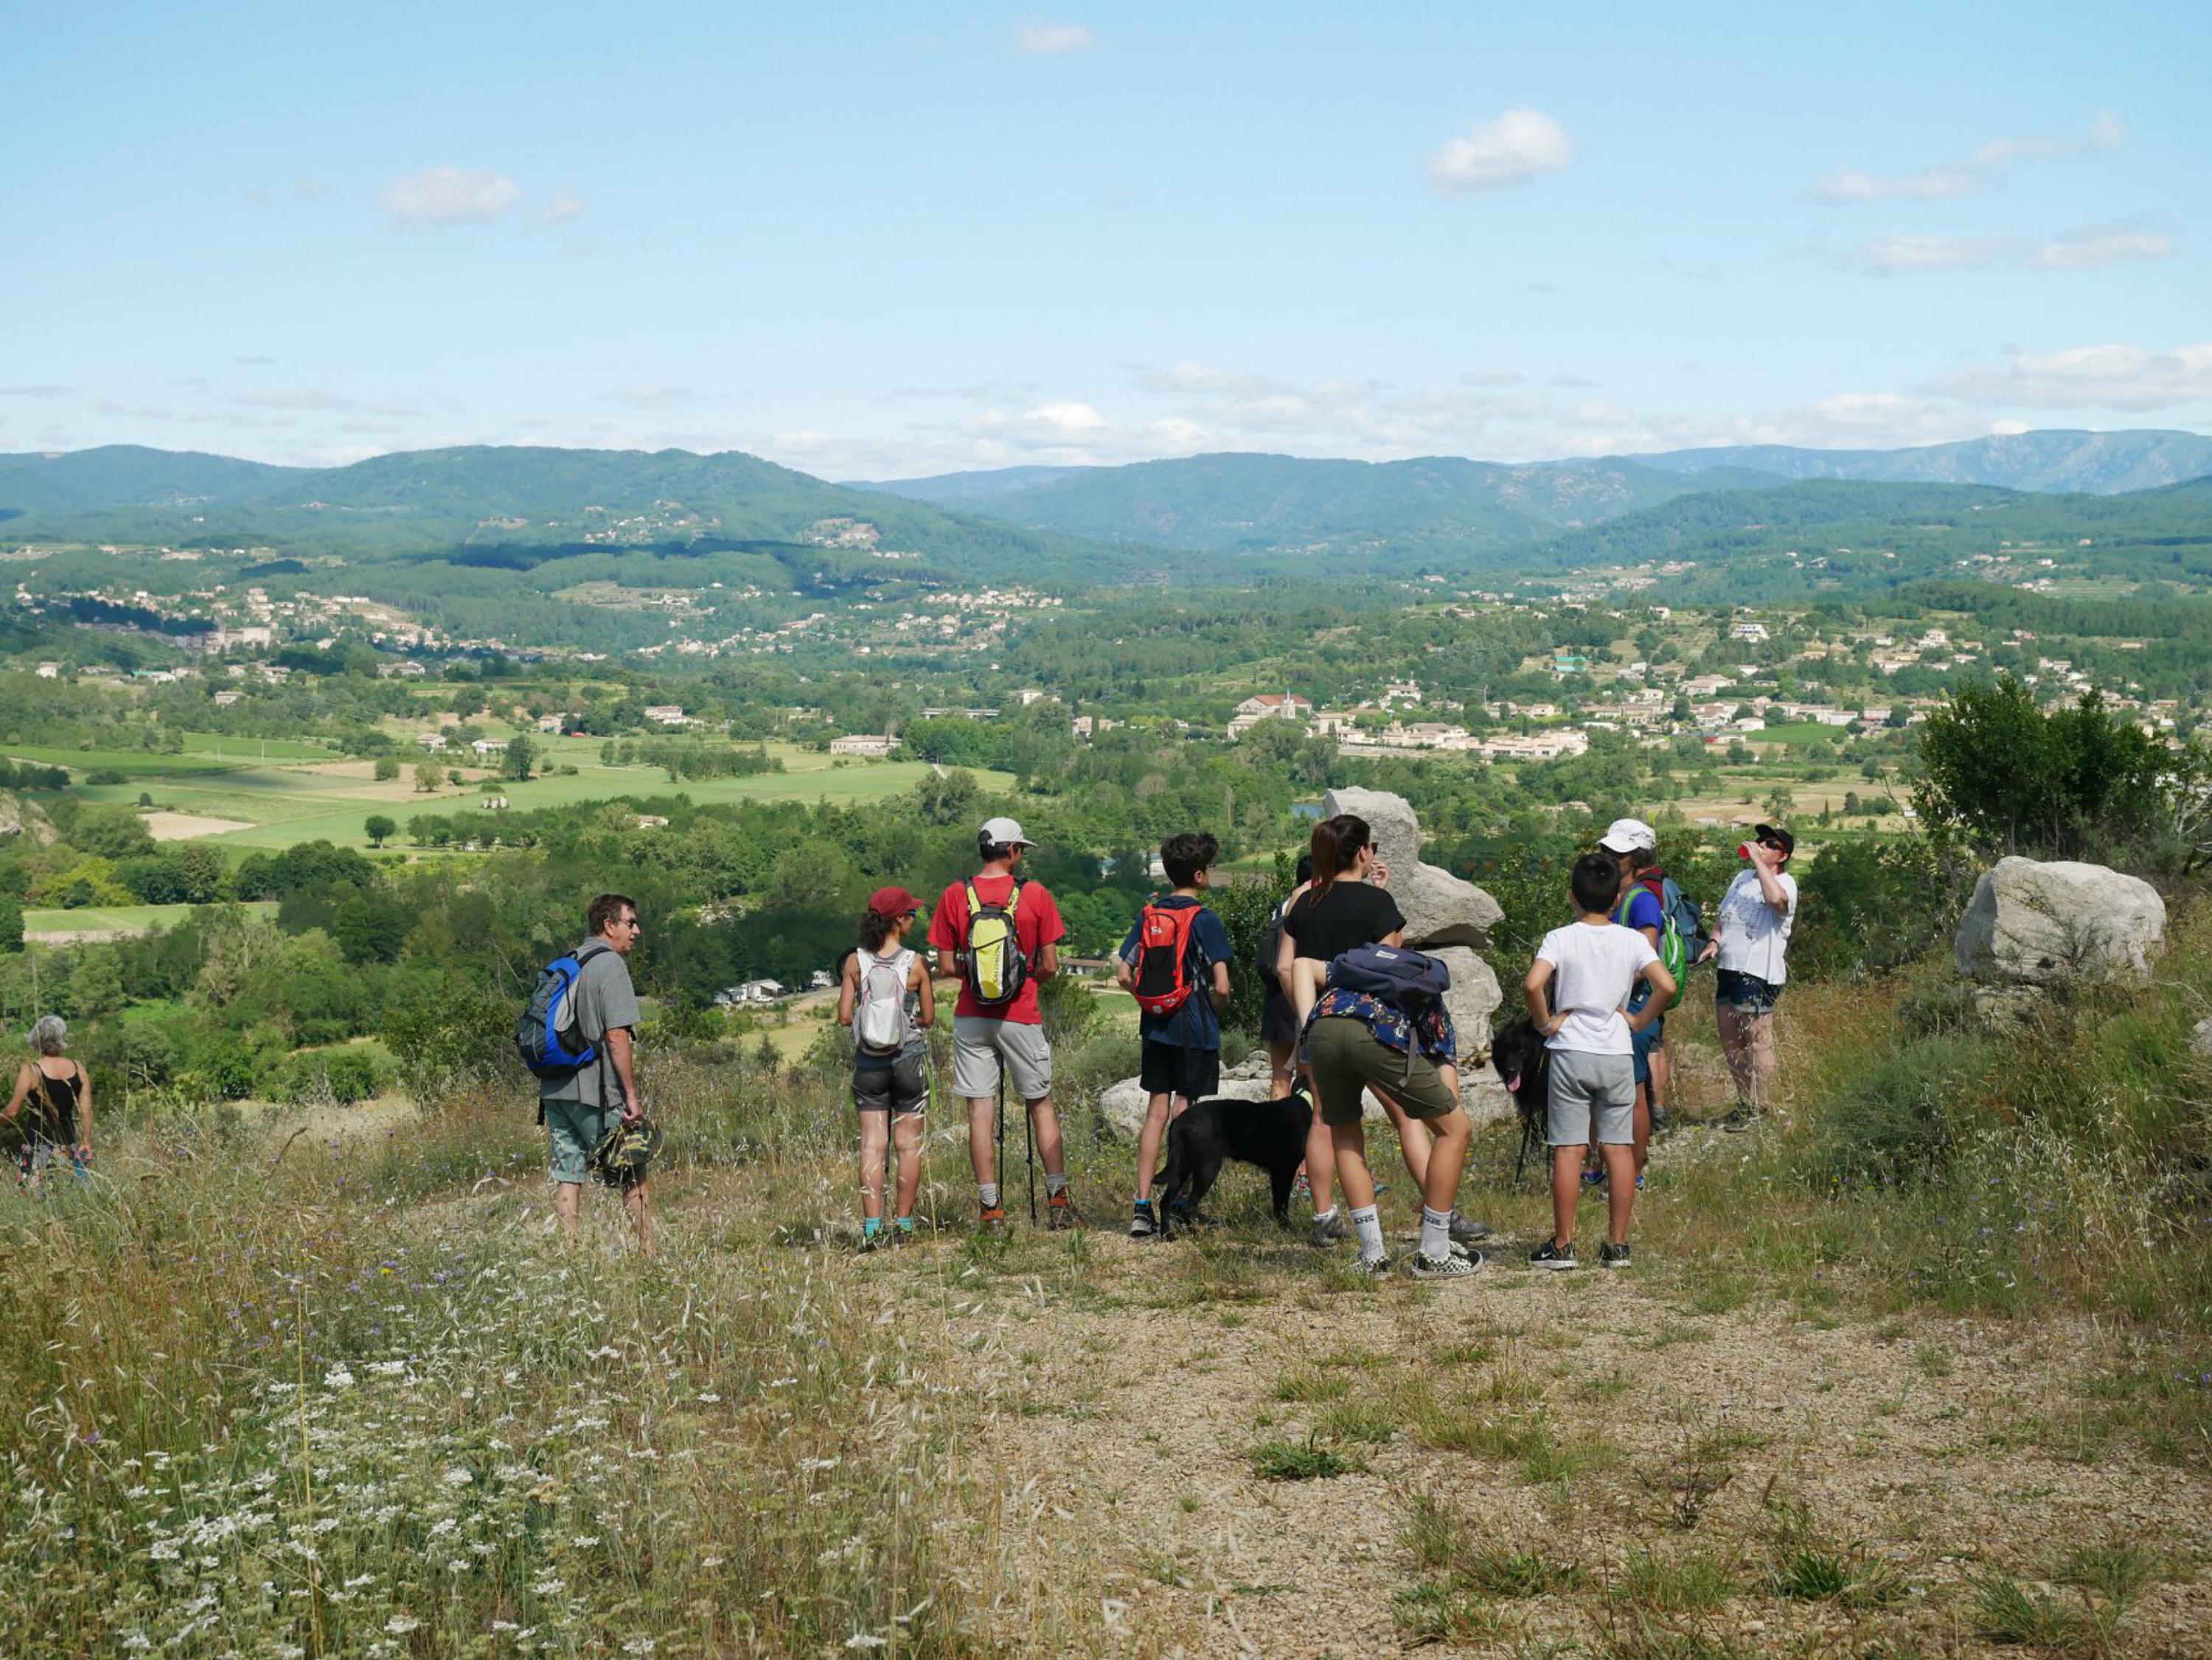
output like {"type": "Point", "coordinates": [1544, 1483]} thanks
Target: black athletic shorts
{"type": "Point", "coordinates": [1278, 1021]}
{"type": "Point", "coordinates": [901, 1086]}
{"type": "Point", "coordinates": [1168, 1069]}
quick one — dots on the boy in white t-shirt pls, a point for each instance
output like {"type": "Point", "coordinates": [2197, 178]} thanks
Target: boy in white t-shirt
{"type": "Point", "coordinates": [1577, 991]}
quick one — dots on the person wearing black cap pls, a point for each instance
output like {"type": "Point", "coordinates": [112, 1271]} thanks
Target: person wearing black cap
{"type": "Point", "coordinates": [1751, 937]}
{"type": "Point", "coordinates": [886, 995]}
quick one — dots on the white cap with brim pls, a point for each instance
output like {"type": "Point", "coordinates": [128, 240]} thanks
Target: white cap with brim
{"type": "Point", "coordinates": [1628, 836]}
{"type": "Point", "coordinates": [1005, 833]}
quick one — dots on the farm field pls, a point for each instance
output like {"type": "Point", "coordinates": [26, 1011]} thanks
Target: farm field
{"type": "Point", "coordinates": [314, 796]}
{"type": "Point", "coordinates": [53, 922]}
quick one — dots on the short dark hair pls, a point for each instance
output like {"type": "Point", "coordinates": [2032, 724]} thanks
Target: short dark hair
{"type": "Point", "coordinates": [1305, 873]}
{"type": "Point", "coordinates": [1184, 856]}
{"type": "Point", "coordinates": [607, 908]}
{"type": "Point", "coordinates": [1595, 883]}
{"type": "Point", "coordinates": [990, 851]}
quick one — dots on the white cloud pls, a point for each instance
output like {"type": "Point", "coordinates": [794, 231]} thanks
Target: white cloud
{"type": "Point", "coordinates": [35, 391]}
{"type": "Point", "coordinates": [1967, 176]}
{"type": "Point", "coordinates": [2108, 377]}
{"type": "Point", "coordinates": [439, 197]}
{"type": "Point", "coordinates": [1052, 39]}
{"type": "Point", "coordinates": [1518, 146]}
{"type": "Point", "coordinates": [565, 206]}
{"type": "Point", "coordinates": [2093, 249]}
{"type": "Point", "coordinates": [1891, 255]}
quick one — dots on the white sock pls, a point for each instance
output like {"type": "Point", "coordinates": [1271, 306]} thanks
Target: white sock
{"type": "Point", "coordinates": [1436, 1234]}
{"type": "Point", "coordinates": [988, 1193]}
{"type": "Point", "coordinates": [1369, 1226]}
{"type": "Point", "coordinates": [1325, 1215]}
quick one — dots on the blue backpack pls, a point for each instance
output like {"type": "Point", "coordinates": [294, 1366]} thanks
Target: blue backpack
{"type": "Point", "coordinates": [547, 1035]}
{"type": "Point", "coordinates": [1408, 981]}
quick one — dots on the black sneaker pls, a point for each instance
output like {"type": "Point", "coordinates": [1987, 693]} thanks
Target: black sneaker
{"type": "Point", "coordinates": [1465, 1230]}
{"type": "Point", "coordinates": [1141, 1225]}
{"type": "Point", "coordinates": [1372, 1268]}
{"type": "Point", "coordinates": [1550, 1254]}
{"type": "Point", "coordinates": [1740, 1116]}
{"type": "Point", "coordinates": [1610, 1255]}
{"type": "Point", "coordinates": [1452, 1265]}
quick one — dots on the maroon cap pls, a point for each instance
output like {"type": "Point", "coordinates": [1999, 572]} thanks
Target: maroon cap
{"type": "Point", "coordinates": [892, 903]}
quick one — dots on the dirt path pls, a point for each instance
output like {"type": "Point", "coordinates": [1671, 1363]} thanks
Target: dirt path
{"type": "Point", "coordinates": [1581, 1419]}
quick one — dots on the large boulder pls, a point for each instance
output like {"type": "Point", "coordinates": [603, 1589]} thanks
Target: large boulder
{"type": "Point", "coordinates": [1439, 907]}
{"type": "Point", "coordinates": [2031, 923]}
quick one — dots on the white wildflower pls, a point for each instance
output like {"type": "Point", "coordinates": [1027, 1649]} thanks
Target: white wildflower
{"type": "Point", "coordinates": [166, 1550]}
{"type": "Point", "coordinates": [458, 1477]}
{"type": "Point", "coordinates": [137, 1639]}
{"type": "Point", "coordinates": [712, 1561]}
{"type": "Point", "coordinates": [709, 1397]}
{"type": "Point", "coordinates": [400, 1624]}
{"type": "Point", "coordinates": [639, 1646]}
{"type": "Point", "coordinates": [818, 1463]}
{"type": "Point", "coordinates": [585, 1541]}
{"type": "Point", "coordinates": [548, 1587]}
{"type": "Point", "coordinates": [439, 1529]}
{"type": "Point", "coordinates": [337, 1378]}
{"type": "Point", "coordinates": [359, 1580]}
{"type": "Point", "coordinates": [861, 1639]}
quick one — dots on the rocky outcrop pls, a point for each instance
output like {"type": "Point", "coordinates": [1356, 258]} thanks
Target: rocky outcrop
{"type": "Point", "coordinates": [1445, 916]}
{"type": "Point", "coordinates": [26, 819]}
{"type": "Point", "coordinates": [2031, 923]}
{"type": "Point", "coordinates": [1439, 907]}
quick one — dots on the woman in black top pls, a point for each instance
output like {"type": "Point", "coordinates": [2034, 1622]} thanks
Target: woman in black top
{"type": "Point", "coordinates": [60, 1092]}
{"type": "Point", "coordinates": [1349, 905]}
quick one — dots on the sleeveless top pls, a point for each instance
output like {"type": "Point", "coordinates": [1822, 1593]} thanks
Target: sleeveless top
{"type": "Point", "coordinates": [49, 1110]}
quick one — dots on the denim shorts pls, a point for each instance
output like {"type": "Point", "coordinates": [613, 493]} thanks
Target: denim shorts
{"type": "Point", "coordinates": [1647, 1040]}
{"type": "Point", "coordinates": [575, 1129]}
{"type": "Point", "coordinates": [1749, 993]}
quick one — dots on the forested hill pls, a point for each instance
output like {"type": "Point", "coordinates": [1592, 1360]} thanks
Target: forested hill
{"type": "Point", "coordinates": [1438, 508]}
{"type": "Point", "coordinates": [482, 505]}
{"type": "Point", "coordinates": [2097, 463]}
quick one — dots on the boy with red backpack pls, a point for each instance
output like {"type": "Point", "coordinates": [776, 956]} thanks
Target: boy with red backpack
{"type": "Point", "coordinates": [999, 936]}
{"type": "Point", "coordinates": [1175, 962]}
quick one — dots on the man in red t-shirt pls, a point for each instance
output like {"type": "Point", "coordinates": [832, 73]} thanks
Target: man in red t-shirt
{"type": "Point", "coordinates": [988, 1036]}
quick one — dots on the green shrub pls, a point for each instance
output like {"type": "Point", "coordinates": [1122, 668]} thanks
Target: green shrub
{"type": "Point", "coordinates": [1900, 1120]}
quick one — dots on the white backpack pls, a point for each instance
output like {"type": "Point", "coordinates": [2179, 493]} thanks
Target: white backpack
{"type": "Point", "coordinates": [881, 1024]}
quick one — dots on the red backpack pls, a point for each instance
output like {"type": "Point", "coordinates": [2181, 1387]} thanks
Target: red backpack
{"type": "Point", "coordinates": [1164, 953]}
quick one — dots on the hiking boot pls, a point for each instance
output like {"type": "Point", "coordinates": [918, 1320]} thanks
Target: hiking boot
{"type": "Point", "coordinates": [994, 1221]}
{"type": "Point", "coordinates": [1741, 1116]}
{"type": "Point", "coordinates": [1453, 1265]}
{"type": "Point", "coordinates": [1059, 1212]}
{"type": "Point", "coordinates": [1610, 1255]}
{"type": "Point", "coordinates": [1141, 1225]}
{"type": "Point", "coordinates": [873, 1241]}
{"type": "Point", "coordinates": [1465, 1230]}
{"type": "Point", "coordinates": [1372, 1268]}
{"type": "Point", "coordinates": [1661, 1120]}
{"type": "Point", "coordinates": [1552, 1255]}
{"type": "Point", "coordinates": [1332, 1229]}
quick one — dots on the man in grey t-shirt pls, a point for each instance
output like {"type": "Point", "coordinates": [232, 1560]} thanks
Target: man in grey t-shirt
{"type": "Point", "coordinates": [582, 1108]}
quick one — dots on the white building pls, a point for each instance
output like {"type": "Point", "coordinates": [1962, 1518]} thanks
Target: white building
{"type": "Point", "coordinates": [667, 714]}
{"type": "Point", "coordinates": [872, 744]}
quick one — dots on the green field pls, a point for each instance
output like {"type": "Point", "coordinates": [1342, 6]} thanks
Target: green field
{"type": "Point", "coordinates": [114, 918]}
{"type": "Point", "coordinates": [330, 799]}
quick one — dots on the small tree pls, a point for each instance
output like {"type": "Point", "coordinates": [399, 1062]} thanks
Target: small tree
{"type": "Point", "coordinates": [380, 829]}
{"type": "Point", "coordinates": [522, 755]}
{"type": "Point", "coordinates": [427, 778]}
{"type": "Point", "coordinates": [387, 768]}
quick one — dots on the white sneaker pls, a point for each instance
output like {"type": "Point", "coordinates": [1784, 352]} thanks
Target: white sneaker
{"type": "Point", "coordinates": [1456, 1264]}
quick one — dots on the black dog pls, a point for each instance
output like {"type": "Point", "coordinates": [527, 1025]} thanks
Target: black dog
{"type": "Point", "coordinates": [1212, 1132]}
{"type": "Point", "coordinates": [1525, 1065]}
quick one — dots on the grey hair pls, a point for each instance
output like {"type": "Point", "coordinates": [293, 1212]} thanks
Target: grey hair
{"type": "Point", "coordinates": [49, 1034]}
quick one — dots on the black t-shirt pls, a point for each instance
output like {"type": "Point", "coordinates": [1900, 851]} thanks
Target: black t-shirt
{"type": "Point", "coordinates": [1349, 915]}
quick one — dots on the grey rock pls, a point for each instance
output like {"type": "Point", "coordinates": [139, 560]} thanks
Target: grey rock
{"type": "Point", "coordinates": [1123, 1105]}
{"type": "Point", "coordinates": [1439, 907]}
{"type": "Point", "coordinates": [1442, 909]}
{"type": "Point", "coordinates": [2036, 923]}
{"type": "Point", "coordinates": [2201, 1038]}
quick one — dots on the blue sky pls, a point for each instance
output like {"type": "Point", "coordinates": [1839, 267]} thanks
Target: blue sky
{"type": "Point", "coordinates": [880, 241]}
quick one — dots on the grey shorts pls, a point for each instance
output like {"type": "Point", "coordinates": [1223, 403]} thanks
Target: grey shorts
{"type": "Point", "coordinates": [575, 1129]}
{"type": "Point", "coordinates": [980, 1045]}
{"type": "Point", "coordinates": [901, 1087]}
{"type": "Point", "coordinates": [1585, 1087]}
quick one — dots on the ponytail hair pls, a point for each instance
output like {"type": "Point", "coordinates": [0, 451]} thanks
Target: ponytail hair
{"type": "Point", "coordinates": [874, 931]}
{"type": "Point", "coordinates": [1336, 844]}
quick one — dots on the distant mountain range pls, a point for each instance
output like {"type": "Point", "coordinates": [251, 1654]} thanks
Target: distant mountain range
{"type": "Point", "coordinates": [517, 508]}
{"type": "Point", "coordinates": [1242, 503]}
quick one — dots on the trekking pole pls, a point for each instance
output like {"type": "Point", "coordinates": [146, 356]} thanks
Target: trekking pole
{"type": "Point", "coordinates": [1028, 1157]}
{"type": "Point", "coordinates": [998, 1165]}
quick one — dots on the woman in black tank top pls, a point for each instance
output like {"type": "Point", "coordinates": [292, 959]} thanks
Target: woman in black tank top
{"type": "Point", "coordinates": [53, 1095]}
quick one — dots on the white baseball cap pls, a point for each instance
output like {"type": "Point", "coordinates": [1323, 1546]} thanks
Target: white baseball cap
{"type": "Point", "coordinates": [1005, 833]}
{"type": "Point", "coordinates": [1628, 836]}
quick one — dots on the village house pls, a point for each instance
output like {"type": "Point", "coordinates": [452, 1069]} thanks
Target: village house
{"type": "Point", "coordinates": [1267, 706]}
{"type": "Point", "coordinates": [873, 744]}
{"type": "Point", "coordinates": [667, 714]}
{"type": "Point", "coordinates": [433, 741]}
{"type": "Point", "coordinates": [487, 747]}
